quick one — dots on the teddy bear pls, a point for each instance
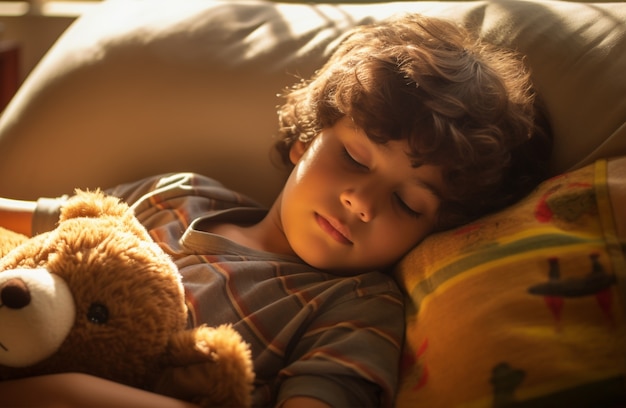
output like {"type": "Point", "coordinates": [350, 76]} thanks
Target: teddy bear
{"type": "Point", "coordinates": [97, 295]}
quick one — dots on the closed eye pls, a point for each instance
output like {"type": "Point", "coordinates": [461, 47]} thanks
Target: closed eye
{"type": "Point", "coordinates": [405, 207]}
{"type": "Point", "coordinates": [352, 161]}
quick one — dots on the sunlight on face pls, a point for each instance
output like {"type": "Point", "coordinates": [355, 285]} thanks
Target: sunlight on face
{"type": "Point", "coordinates": [352, 205]}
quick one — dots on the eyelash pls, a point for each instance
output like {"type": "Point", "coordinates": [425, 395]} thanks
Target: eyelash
{"type": "Point", "coordinates": [403, 206]}
{"type": "Point", "coordinates": [352, 161]}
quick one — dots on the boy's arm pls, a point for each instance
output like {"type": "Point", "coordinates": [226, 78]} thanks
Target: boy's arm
{"type": "Point", "coordinates": [17, 215]}
{"type": "Point", "coordinates": [80, 390]}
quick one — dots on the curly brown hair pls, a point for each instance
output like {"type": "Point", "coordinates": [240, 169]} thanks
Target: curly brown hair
{"type": "Point", "coordinates": [461, 103]}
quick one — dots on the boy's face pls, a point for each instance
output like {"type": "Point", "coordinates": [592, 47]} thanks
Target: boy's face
{"type": "Point", "coordinates": [352, 205]}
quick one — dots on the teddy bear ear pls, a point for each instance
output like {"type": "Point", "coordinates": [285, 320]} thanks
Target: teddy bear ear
{"type": "Point", "coordinates": [92, 204]}
{"type": "Point", "coordinates": [208, 366]}
{"type": "Point", "coordinates": [96, 204]}
{"type": "Point", "coordinates": [9, 240]}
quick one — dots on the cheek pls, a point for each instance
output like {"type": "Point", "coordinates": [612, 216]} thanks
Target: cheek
{"type": "Point", "coordinates": [396, 237]}
{"type": "Point", "coordinates": [313, 176]}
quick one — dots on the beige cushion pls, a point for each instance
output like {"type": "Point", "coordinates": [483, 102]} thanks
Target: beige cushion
{"type": "Point", "coordinates": [142, 87]}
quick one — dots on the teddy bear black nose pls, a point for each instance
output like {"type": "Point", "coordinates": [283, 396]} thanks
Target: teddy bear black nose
{"type": "Point", "coordinates": [14, 294]}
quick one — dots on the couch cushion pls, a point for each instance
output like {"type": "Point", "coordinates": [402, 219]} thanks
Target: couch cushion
{"type": "Point", "coordinates": [524, 306]}
{"type": "Point", "coordinates": [141, 87]}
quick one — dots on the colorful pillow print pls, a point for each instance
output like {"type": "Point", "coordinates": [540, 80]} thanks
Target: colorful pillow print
{"type": "Point", "coordinates": [525, 307]}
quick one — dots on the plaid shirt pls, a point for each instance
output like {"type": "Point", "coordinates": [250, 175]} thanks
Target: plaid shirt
{"type": "Point", "coordinates": [311, 333]}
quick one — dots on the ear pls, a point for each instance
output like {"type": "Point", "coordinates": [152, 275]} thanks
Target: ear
{"type": "Point", "coordinates": [96, 204]}
{"type": "Point", "coordinates": [208, 366]}
{"type": "Point", "coordinates": [92, 204]}
{"type": "Point", "coordinates": [297, 150]}
{"type": "Point", "coordinates": [10, 240]}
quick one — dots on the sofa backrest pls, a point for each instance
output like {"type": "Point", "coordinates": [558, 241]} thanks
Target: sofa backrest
{"type": "Point", "coordinates": [144, 87]}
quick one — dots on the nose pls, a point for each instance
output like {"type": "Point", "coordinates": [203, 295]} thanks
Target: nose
{"type": "Point", "coordinates": [360, 204]}
{"type": "Point", "coordinates": [14, 294]}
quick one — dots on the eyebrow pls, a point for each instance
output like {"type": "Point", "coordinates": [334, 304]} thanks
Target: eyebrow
{"type": "Point", "coordinates": [430, 187]}
{"type": "Point", "coordinates": [426, 185]}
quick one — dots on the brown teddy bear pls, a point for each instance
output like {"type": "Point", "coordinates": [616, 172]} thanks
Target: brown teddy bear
{"type": "Point", "coordinates": [96, 295]}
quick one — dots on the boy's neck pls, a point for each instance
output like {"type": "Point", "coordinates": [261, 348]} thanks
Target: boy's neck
{"type": "Point", "coordinates": [266, 235]}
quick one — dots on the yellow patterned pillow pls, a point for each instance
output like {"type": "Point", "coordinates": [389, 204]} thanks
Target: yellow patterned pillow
{"type": "Point", "coordinates": [525, 306]}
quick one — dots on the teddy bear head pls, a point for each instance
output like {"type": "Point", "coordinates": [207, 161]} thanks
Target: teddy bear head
{"type": "Point", "coordinates": [93, 288]}
{"type": "Point", "coordinates": [96, 295]}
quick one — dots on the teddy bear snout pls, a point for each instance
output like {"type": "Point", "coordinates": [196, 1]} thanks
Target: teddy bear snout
{"type": "Point", "coordinates": [14, 294]}
{"type": "Point", "coordinates": [37, 312]}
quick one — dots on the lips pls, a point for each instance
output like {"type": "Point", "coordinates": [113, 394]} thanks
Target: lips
{"type": "Point", "coordinates": [335, 229]}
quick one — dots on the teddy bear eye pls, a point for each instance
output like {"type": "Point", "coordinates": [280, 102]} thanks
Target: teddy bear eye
{"type": "Point", "coordinates": [98, 313]}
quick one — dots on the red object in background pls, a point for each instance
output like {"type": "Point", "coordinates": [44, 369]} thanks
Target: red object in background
{"type": "Point", "coordinates": [9, 71]}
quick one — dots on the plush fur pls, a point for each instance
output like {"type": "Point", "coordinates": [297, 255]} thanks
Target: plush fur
{"type": "Point", "coordinates": [96, 295]}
